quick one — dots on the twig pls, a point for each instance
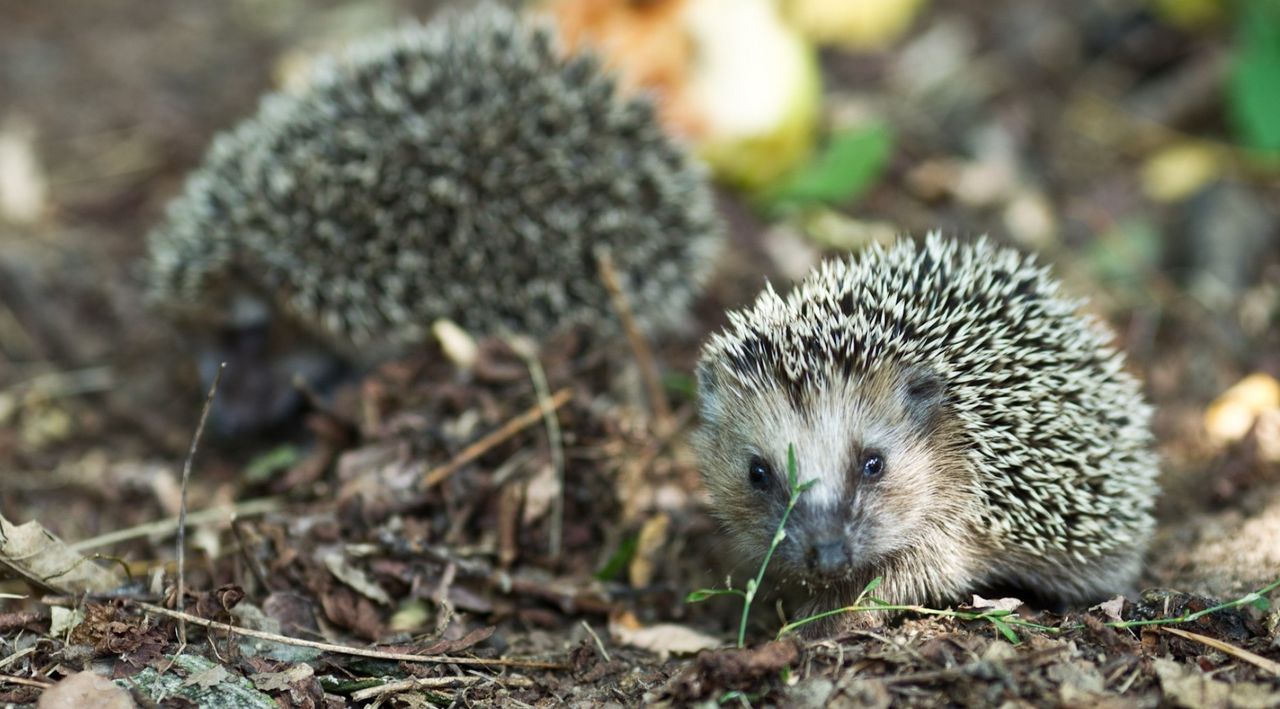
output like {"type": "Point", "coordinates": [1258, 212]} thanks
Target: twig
{"type": "Point", "coordinates": [591, 631]}
{"type": "Point", "coordinates": [248, 508]}
{"type": "Point", "coordinates": [539, 378]}
{"type": "Point", "coordinates": [17, 656]}
{"type": "Point", "coordinates": [25, 681]}
{"type": "Point", "coordinates": [346, 650]}
{"type": "Point", "coordinates": [530, 416]}
{"type": "Point", "coordinates": [639, 345]}
{"type": "Point", "coordinates": [1240, 653]}
{"type": "Point", "coordinates": [405, 685]}
{"type": "Point", "coordinates": [182, 509]}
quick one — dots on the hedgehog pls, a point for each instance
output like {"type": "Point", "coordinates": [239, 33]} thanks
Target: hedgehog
{"type": "Point", "coordinates": [467, 169]}
{"type": "Point", "coordinates": [966, 429]}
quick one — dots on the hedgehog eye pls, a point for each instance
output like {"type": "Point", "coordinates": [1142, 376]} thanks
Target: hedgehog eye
{"type": "Point", "coordinates": [872, 465]}
{"type": "Point", "coordinates": [759, 473]}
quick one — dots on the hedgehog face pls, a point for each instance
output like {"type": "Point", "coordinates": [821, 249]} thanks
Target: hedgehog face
{"type": "Point", "coordinates": [873, 444]}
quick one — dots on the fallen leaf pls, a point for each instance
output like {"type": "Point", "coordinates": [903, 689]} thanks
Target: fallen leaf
{"type": "Point", "coordinates": [540, 491]}
{"type": "Point", "coordinates": [1192, 689]}
{"type": "Point", "coordinates": [649, 548]}
{"type": "Point", "coordinates": [1232, 414]}
{"type": "Point", "coordinates": [46, 561]}
{"type": "Point", "coordinates": [336, 562]}
{"type": "Point", "coordinates": [1002, 604]}
{"type": "Point", "coordinates": [452, 647]}
{"type": "Point", "coordinates": [23, 185]}
{"type": "Point", "coordinates": [458, 344]}
{"type": "Point", "coordinates": [85, 689]}
{"type": "Point", "coordinates": [1180, 170]}
{"type": "Point", "coordinates": [211, 677]}
{"type": "Point", "coordinates": [64, 620]}
{"type": "Point", "coordinates": [1111, 609]}
{"type": "Point", "coordinates": [662, 639]}
{"type": "Point", "coordinates": [281, 681]}
{"type": "Point", "coordinates": [410, 616]}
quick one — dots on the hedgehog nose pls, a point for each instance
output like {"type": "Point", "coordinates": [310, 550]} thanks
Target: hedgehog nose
{"type": "Point", "coordinates": [827, 555]}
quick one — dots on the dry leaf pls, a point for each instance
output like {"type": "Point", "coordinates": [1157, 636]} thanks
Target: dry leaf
{"type": "Point", "coordinates": [44, 560]}
{"type": "Point", "coordinates": [1002, 604]}
{"type": "Point", "coordinates": [662, 639]}
{"type": "Point", "coordinates": [85, 689]}
{"type": "Point", "coordinates": [281, 681]}
{"type": "Point", "coordinates": [211, 677]}
{"type": "Point", "coordinates": [1180, 170]}
{"type": "Point", "coordinates": [539, 492]}
{"type": "Point", "coordinates": [458, 344]}
{"type": "Point", "coordinates": [649, 548]}
{"type": "Point", "coordinates": [1232, 414]}
{"type": "Point", "coordinates": [23, 185]}
{"type": "Point", "coordinates": [1111, 609]}
{"type": "Point", "coordinates": [336, 562]}
{"type": "Point", "coordinates": [1192, 689]}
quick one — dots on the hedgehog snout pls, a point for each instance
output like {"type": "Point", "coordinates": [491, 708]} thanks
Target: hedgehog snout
{"type": "Point", "coordinates": [822, 540]}
{"type": "Point", "coordinates": [828, 556]}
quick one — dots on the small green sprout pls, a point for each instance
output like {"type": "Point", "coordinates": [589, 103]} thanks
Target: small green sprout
{"type": "Point", "coordinates": [795, 488]}
{"type": "Point", "coordinates": [1002, 620]}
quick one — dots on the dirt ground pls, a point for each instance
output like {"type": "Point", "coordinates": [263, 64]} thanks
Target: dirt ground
{"type": "Point", "coordinates": [1034, 122]}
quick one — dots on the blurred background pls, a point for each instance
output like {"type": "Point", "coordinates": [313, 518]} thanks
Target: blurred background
{"type": "Point", "coordinates": [1134, 144]}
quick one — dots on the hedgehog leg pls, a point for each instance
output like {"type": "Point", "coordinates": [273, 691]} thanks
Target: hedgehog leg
{"type": "Point", "coordinates": [257, 393]}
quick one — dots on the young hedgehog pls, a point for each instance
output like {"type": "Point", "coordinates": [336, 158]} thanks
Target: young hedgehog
{"type": "Point", "coordinates": [967, 428]}
{"type": "Point", "coordinates": [465, 170]}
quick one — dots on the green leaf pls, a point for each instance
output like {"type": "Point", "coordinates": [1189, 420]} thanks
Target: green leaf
{"type": "Point", "coordinates": [1005, 630]}
{"type": "Point", "coordinates": [265, 466]}
{"type": "Point", "coordinates": [703, 594]}
{"type": "Point", "coordinates": [792, 475]}
{"type": "Point", "coordinates": [685, 385]}
{"type": "Point", "coordinates": [848, 166]}
{"type": "Point", "coordinates": [1261, 603]}
{"type": "Point", "coordinates": [872, 585]}
{"type": "Point", "coordinates": [735, 695]}
{"type": "Point", "coordinates": [1254, 94]}
{"type": "Point", "coordinates": [618, 560]}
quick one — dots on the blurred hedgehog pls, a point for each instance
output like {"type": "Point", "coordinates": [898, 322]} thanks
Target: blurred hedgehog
{"type": "Point", "coordinates": [465, 169]}
{"type": "Point", "coordinates": [967, 430]}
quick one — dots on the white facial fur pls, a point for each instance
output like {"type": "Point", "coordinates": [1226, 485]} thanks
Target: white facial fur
{"type": "Point", "coordinates": [833, 428]}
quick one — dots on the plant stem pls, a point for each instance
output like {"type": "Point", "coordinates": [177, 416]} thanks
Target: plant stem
{"type": "Point", "coordinates": [754, 585]}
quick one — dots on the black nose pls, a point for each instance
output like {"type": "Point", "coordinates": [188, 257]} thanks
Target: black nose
{"type": "Point", "coordinates": [828, 555]}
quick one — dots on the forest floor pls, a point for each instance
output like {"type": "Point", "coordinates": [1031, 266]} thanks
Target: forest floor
{"type": "Point", "coordinates": [536, 568]}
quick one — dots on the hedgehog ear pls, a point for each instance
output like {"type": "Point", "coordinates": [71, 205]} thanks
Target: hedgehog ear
{"type": "Point", "coordinates": [709, 398]}
{"type": "Point", "coordinates": [924, 393]}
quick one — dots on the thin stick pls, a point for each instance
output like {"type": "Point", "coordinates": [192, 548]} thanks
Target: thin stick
{"type": "Point", "coordinates": [591, 631]}
{"type": "Point", "coordinates": [248, 508]}
{"type": "Point", "coordinates": [25, 681]}
{"type": "Point", "coordinates": [1257, 660]}
{"type": "Point", "coordinates": [434, 683]}
{"type": "Point", "coordinates": [530, 416]}
{"type": "Point", "coordinates": [639, 345]}
{"type": "Point", "coordinates": [182, 509]}
{"type": "Point", "coordinates": [352, 651]}
{"type": "Point", "coordinates": [17, 656]}
{"type": "Point", "coordinates": [543, 390]}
